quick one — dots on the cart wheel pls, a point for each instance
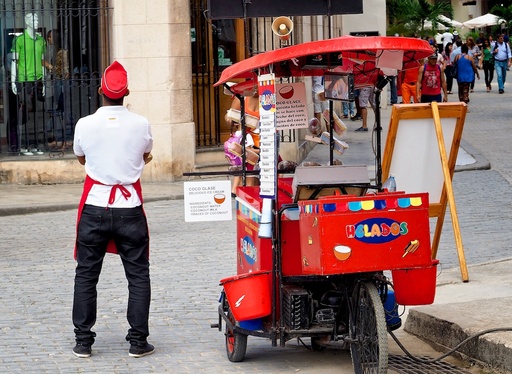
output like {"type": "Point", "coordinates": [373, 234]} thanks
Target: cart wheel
{"type": "Point", "coordinates": [315, 345]}
{"type": "Point", "coordinates": [236, 343]}
{"type": "Point", "coordinates": [367, 326]}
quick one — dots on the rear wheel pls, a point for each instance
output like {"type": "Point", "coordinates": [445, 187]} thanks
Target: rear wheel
{"type": "Point", "coordinates": [316, 343]}
{"type": "Point", "coordinates": [367, 326]}
{"type": "Point", "coordinates": [236, 343]}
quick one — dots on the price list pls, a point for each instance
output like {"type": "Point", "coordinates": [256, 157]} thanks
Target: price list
{"type": "Point", "coordinates": [268, 136]}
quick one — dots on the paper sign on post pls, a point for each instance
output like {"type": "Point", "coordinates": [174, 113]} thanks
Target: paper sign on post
{"type": "Point", "coordinates": [291, 106]}
{"type": "Point", "coordinates": [207, 201]}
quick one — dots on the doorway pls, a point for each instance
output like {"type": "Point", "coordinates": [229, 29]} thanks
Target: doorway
{"type": "Point", "coordinates": [216, 44]}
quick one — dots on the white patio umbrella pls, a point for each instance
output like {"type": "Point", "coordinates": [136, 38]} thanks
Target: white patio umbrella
{"type": "Point", "coordinates": [442, 26]}
{"type": "Point", "coordinates": [483, 21]}
{"type": "Point", "coordinates": [452, 22]}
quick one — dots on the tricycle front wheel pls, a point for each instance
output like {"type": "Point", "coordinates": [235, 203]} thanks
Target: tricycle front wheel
{"type": "Point", "coordinates": [368, 332]}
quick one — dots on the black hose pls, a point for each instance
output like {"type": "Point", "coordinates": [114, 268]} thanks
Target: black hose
{"type": "Point", "coordinates": [424, 361]}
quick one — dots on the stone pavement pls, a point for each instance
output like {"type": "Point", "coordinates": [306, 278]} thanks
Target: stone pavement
{"type": "Point", "coordinates": [37, 268]}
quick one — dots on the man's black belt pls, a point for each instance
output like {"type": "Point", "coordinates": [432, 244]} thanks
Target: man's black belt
{"type": "Point", "coordinates": [500, 60]}
{"type": "Point", "coordinates": [411, 83]}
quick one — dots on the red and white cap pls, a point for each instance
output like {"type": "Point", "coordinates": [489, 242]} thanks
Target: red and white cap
{"type": "Point", "coordinates": [114, 82]}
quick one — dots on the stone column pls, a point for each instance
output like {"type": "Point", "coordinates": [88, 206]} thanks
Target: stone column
{"type": "Point", "coordinates": [152, 40]}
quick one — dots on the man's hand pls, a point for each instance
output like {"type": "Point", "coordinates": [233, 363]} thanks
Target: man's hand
{"type": "Point", "coordinates": [147, 158]}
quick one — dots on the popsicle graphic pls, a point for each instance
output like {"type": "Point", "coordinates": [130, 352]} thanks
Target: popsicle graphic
{"type": "Point", "coordinates": [411, 247]}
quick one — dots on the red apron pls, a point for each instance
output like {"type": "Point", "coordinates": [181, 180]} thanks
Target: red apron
{"type": "Point", "coordinates": [88, 183]}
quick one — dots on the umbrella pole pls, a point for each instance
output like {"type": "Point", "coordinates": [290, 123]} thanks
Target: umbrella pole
{"type": "Point", "coordinates": [331, 109]}
{"type": "Point", "coordinates": [244, 136]}
{"type": "Point", "coordinates": [331, 133]}
{"type": "Point", "coordinates": [378, 130]}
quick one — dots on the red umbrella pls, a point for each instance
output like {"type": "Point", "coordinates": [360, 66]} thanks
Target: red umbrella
{"type": "Point", "coordinates": [359, 56]}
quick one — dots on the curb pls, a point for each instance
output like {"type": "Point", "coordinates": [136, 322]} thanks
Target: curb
{"type": "Point", "coordinates": [444, 335]}
{"type": "Point", "coordinates": [481, 162]}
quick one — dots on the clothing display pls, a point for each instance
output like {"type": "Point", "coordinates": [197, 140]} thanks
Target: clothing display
{"type": "Point", "coordinates": [30, 54]}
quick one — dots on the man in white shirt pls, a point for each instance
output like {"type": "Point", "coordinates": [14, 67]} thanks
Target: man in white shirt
{"type": "Point", "coordinates": [113, 145]}
{"type": "Point", "coordinates": [502, 61]}
{"type": "Point", "coordinates": [439, 41]}
{"type": "Point", "coordinates": [447, 37]}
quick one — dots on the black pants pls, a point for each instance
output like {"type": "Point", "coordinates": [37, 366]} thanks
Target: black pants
{"type": "Point", "coordinates": [488, 72]}
{"type": "Point", "coordinates": [449, 77]}
{"type": "Point", "coordinates": [128, 228]}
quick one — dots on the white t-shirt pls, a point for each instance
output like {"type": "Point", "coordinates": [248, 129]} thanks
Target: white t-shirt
{"type": "Point", "coordinates": [317, 84]}
{"type": "Point", "coordinates": [113, 141]}
{"type": "Point", "coordinates": [447, 38]}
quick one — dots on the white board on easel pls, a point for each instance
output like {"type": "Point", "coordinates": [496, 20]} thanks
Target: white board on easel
{"type": "Point", "coordinates": [418, 155]}
{"type": "Point", "coordinates": [414, 155]}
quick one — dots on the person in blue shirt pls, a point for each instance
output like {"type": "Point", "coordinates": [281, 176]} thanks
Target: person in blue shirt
{"type": "Point", "coordinates": [502, 61]}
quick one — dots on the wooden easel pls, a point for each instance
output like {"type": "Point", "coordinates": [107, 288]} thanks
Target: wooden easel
{"type": "Point", "coordinates": [410, 154]}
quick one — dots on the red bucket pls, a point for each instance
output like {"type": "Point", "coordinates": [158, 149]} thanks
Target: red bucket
{"type": "Point", "coordinates": [415, 286]}
{"type": "Point", "coordinates": [248, 295]}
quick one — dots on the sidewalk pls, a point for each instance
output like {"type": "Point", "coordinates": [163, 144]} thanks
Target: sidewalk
{"type": "Point", "coordinates": [460, 309]}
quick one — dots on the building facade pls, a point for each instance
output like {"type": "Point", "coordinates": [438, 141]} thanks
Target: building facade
{"type": "Point", "coordinates": [173, 54]}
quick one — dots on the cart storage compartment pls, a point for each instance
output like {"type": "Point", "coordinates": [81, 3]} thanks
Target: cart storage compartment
{"type": "Point", "coordinates": [311, 182]}
{"type": "Point", "coordinates": [350, 234]}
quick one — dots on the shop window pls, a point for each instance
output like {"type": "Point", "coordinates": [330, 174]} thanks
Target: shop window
{"type": "Point", "coordinates": [53, 52]}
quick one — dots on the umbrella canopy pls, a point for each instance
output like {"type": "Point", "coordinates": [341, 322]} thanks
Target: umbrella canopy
{"type": "Point", "coordinates": [359, 55]}
{"type": "Point", "coordinates": [450, 22]}
{"type": "Point", "coordinates": [483, 21]}
{"type": "Point", "coordinates": [445, 21]}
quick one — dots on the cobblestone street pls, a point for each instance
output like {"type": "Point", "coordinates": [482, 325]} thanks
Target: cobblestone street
{"type": "Point", "coordinates": [187, 262]}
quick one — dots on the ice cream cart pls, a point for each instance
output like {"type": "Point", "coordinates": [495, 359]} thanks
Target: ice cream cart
{"type": "Point", "coordinates": [319, 271]}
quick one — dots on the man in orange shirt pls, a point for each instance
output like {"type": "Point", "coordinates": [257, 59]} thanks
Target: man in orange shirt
{"type": "Point", "coordinates": [408, 87]}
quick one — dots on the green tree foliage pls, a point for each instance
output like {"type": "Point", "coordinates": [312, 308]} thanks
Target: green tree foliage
{"type": "Point", "coordinates": [408, 17]}
{"type": "Point", "coordinates": [504, 12]}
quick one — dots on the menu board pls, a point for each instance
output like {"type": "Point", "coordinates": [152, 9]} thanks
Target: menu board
{"type": "Point", "coordinates": [292, 111]}
{"type": "Point", "coordinates": [268, 135]}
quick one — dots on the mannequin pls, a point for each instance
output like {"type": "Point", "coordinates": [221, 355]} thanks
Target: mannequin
{"type": "Point", "coordinates": [27, 73]}
{"type": "Point", "coordinates": [28, 54]}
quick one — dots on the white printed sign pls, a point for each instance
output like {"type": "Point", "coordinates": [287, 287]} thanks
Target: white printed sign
{"type": "Point", "coordinates": [291, 110]}
{"type": "Point", "coordinates": [207, 201]}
